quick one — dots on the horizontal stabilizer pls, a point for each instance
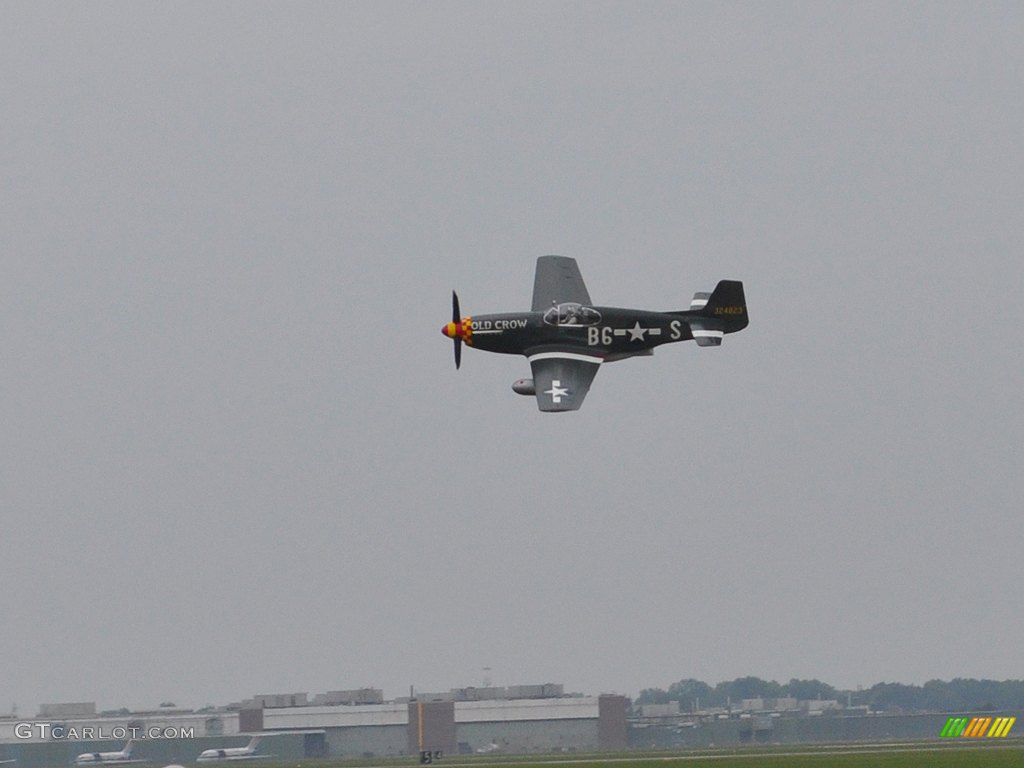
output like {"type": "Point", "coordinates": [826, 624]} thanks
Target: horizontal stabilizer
{"type": "Point", "coordinates": [706, 334]}
{"type": "Point", "coordinates": [700, 300]}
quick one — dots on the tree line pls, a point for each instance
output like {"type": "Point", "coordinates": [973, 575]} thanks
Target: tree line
{"type": "Point", "coordinates": [957, 695]}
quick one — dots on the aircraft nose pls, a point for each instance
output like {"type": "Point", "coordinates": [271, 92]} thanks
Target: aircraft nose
{"type": "Point", "coordinates": [459, 330]}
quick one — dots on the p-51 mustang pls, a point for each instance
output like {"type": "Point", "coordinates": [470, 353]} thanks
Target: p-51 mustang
{"type": "Point", "coordinates": [566, 338]}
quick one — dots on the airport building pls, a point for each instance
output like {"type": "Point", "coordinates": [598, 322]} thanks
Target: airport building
{"type": "Point", "coordinates": [515, 720]}
{"type": "Point", "coordinates": [520, 719]}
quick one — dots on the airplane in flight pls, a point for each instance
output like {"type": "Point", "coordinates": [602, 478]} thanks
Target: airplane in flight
{"type": "Point", "coordinates": [566, 338]}
{"type": "Point", "coordinates": [121, 757]}
{"type": "Point", "coordinates": [232, 753]}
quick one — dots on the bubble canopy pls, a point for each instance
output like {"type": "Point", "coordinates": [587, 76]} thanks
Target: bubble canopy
{"type": "Point", "coordinates": [572, 313]}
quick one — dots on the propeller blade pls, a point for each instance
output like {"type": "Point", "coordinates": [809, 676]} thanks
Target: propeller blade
{"type": "Point", "coordinates": [457, 318]}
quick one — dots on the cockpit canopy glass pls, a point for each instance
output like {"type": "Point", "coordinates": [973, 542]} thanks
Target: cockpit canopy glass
{"type": "Point", "coordinates": [572, 314]}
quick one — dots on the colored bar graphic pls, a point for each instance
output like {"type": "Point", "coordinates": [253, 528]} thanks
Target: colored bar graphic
{"type": "Point", "coordinates": [977, 727]}
{"type": "Point", "coordinates": [954, 727]}
{"type": "Point", "coordinates": [1002, 727]}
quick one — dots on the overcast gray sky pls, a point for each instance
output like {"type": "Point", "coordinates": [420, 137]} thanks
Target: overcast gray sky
{"type": "Point", "coordinates": [237, 458]}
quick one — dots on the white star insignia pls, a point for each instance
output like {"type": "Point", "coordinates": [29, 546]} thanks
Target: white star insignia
{"type": "Point", "coordinates": [636, 333]}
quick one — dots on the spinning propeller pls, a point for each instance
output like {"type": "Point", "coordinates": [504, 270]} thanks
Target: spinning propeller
{"type": "Point", "coordinates": [456, 330]}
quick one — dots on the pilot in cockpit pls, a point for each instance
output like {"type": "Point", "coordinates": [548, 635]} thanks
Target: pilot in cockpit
{"type": "Point", "coordinates": [571, 313]}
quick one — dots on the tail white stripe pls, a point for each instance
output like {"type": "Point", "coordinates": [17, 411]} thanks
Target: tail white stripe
{"type": "Point", "coordinates": [566, 356]}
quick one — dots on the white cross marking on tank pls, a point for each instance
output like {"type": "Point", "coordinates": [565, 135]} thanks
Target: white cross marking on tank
{"type": "Point", "coordinates": [556, 391]}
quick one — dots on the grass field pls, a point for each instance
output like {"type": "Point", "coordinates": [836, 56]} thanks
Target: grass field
{"type": "Point", "coordinates": [882, 757]}
{"type": "Point", "coordinates": [925, 755]}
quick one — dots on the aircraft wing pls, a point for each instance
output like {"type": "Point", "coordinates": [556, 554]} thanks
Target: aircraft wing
{"type": "Point", "coordinates": [562, 379]}
{"type": "Point", "coordinates": [557, 281]}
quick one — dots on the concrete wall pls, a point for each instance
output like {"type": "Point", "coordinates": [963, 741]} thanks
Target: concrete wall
{"type": "Point", "coordinates": [431, 727]}
{"type": "Point", "coordinates": [339, 716]}
{"type": "Point", "coordinates": [612, 727]}
{"type": "Point", "coordinates": [526, 709]}
{"type": "Point", "coordinates": [522, 736]}
{"type": "Point", "coordinates": [366, 740]}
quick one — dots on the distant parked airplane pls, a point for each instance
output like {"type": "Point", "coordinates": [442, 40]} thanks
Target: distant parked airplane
{"type": "Point", "coordinates": [232, 753]}
{"type": "Point", "coordinates": [123, 757]}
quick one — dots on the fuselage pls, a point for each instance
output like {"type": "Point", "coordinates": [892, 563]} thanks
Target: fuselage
{"type": "Point", "coordinates": [232, 753]}
{"type": "Point", "coordinates": [607, 332]}
{"type": "Point", "coordinates": [110, 758]}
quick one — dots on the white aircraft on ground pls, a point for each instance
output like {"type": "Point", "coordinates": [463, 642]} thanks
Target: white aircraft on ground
{"type": "Point", "coordinates": [232, 753]}
{"type": "Point", "coordinates": [122, 757]}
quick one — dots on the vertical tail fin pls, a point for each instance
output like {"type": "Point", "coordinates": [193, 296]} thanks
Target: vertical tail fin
{"type": "Point", "coordinates": [712, 315]}
{"type": "Point", "coordinates": [727, 305]}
